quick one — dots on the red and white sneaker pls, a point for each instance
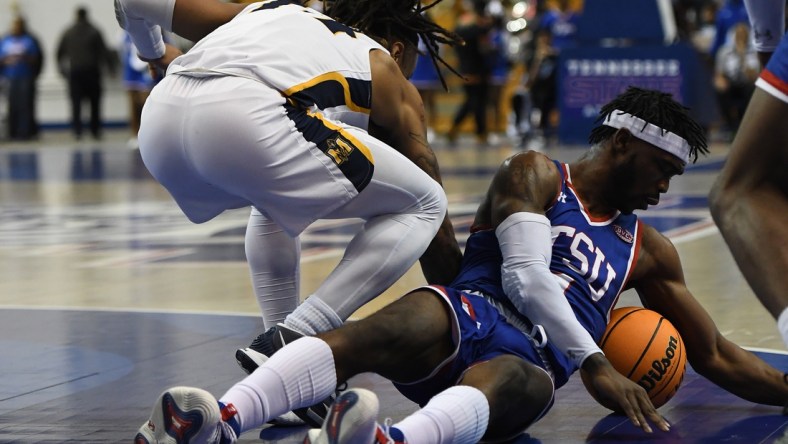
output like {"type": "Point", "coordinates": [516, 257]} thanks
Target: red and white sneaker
{"type": "Point", "coordinates": [383, 434]}
{"type": "Point", "coordinates": [185, 415]}
{"type": "Point", "coordinates": [351, 420]}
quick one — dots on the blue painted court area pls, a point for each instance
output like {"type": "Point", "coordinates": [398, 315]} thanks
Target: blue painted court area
{"type": "Point", "coordinates": [92, 376]}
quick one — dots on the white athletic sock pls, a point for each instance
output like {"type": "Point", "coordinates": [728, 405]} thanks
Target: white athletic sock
{"type": "Point", "coordinates": [782, 325]}
{"type": "Point", "coordinates": [457, 415]}
{"type": "Point", "coordinates": [312, 317]}
{"type": "Point", "coordinates": [299, 375]}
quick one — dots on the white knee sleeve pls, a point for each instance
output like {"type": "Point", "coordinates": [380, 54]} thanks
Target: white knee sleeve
{"type": "Point", "coordinates": [274, 263]}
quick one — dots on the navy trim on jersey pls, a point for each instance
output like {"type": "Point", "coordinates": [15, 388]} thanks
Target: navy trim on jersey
{"type": "Point", "coordinates": [341, 149]}
{"type": "Point", "coordinates": [331, 92]}
{"type": "Point", "coordinates": [277, 3]}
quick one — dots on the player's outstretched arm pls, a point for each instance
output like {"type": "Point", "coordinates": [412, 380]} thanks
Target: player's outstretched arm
{"type": "Point", "coordinates": [397, 118]}
{"type": "Point", "coordinates": [659, 280]}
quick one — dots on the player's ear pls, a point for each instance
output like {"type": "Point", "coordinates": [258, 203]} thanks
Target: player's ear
{"type": "Point", "coordinates": [397, 50]}
{"type": "Point", "coordinates": [621, 140]}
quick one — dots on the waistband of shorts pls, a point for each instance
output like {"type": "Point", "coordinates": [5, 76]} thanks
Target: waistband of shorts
{"type": "Point", "coordinates": [213, 72]}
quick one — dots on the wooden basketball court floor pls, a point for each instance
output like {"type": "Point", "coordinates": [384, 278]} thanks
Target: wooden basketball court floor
{"type": "Point", "coordinates": [108, 295]}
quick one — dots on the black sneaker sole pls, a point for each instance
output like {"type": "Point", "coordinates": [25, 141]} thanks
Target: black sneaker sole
{"type": "Point", "coordinates": [314, 415]}
{"type": "Point", "coordinates": [247, 364]}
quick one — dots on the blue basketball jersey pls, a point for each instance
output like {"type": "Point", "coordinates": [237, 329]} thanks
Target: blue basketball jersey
{"type": "Point", "coordinates": [591, 261]}
{"type": "Point", "coordinates": [774, 78]}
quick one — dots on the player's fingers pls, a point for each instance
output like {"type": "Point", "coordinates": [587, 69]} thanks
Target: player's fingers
{"type": "Point", "coordinates": [650, 412]}
{"type": "Point", "coordinates": [631, 408]}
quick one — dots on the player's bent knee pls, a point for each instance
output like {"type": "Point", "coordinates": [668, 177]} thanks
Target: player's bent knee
{"type": "Point", "coordinates": [519, 393]}
{"type": "Point", "coordinates": [414, 329]}
{"type": "Point", "coordinates": [435, 203]}
{"type": "Point", "coordinates": [723, 203]}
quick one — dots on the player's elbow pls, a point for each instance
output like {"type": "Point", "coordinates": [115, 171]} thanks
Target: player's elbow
{"type": "Point", "coordinates": [723, 199]}
{"type": "Point", "coordinates": [709, 358]}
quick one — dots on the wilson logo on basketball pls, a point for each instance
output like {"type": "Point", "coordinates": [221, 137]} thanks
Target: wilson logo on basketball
{"type": "Point", "coordinates": [659, 367]}
{"type": "Point", "coordinates": [646, 348]}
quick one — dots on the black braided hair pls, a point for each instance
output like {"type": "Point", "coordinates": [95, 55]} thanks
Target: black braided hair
{"type": "Point", "coordinates": [657, 108]}
{"type": "Point", "coordinates": [401, 18]}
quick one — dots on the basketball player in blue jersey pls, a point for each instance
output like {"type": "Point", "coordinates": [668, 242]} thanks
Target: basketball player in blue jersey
{"type": "Point", "coordinates": [749, 200]}
{"type": "Point", "coordinates": [552, 248]}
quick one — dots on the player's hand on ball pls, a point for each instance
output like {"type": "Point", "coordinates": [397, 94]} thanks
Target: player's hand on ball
{"type": "Point", "coordinates": [617, 392]}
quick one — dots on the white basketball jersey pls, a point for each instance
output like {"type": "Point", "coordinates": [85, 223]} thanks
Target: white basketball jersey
{"type": "Point", "coordinates": [311, 59]}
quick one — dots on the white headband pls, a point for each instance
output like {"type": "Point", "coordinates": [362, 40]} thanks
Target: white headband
{"type": "Point", "coordinates": [670, 142]}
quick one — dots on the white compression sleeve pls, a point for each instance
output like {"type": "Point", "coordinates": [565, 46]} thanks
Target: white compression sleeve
{"type": "Point", "coordinates": [274, 262]}
{"type": "Point", "coordinates": [144, 20]}
{"type": "Point", "coordinates": [767, 19]}
{"type": "Point", "coordinates": [526, 245]}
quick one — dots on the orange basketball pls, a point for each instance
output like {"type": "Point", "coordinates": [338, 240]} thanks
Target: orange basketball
{"type": "Point", "coordinates": [645, 347]}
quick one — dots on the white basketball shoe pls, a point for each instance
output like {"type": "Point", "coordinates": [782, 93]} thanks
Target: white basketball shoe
{"type": "Point", "coordinates": [351, 420]}
{"type": "Point", "coordinates": [186, 415]}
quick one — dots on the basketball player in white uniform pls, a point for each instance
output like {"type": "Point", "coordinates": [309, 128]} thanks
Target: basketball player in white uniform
{"type": "Point", "coordinates": [302, 118]}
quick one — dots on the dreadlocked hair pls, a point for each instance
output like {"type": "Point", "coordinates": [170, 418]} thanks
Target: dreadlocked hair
{"type": "Point", "coordinates": [657, 108]}
{"type": "Point", "coordinates": [401, 18]}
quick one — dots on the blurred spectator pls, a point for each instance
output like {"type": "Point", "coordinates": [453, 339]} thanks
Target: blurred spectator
{"type": "Point", "coordinates": [542, 82]}
{"type": "Point", "coordinates": [500, 65]}
{"type": "Point", "coordinates": [731, 13]}
{"type": "Point", "coordinates": [81, 54]}
{"type": "Point", "coordinates": [20, 57]}
{"type": "Point", "coordinates": [703, 36]}
{"type": "Point", "coordinates": [474, 64]}
{"type": "Point", "coordinates": [688, 16]}
{"type": "Point", "coordinates": [38, 67]}
{"type": "Point", "coordinates": [736, 69]}
{"type": "Point", "coordinates": [561, 20]}
{"type": "Point", "coordinates": [137, 81]}
{"type": "Point", "coordinates": [425, 78]}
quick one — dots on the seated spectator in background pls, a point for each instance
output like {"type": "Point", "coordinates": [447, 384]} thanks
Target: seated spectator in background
{"type": "Point", "coordinates": [735, 70]}
{"type": "Point", "coordinates": [19, 59]}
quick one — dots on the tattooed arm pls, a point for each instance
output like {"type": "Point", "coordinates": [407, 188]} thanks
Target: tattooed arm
{"type": "Point", "coordinates": [397, 118]}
